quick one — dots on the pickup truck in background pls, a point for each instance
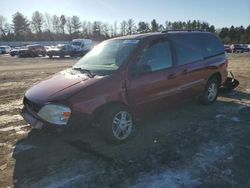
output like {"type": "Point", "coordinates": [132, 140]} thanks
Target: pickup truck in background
{"type": "Point", "coordinates": [60, 50]}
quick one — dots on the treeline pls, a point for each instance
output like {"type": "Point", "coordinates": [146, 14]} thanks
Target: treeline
{"type": "Point", "coordinates": [53, 27]}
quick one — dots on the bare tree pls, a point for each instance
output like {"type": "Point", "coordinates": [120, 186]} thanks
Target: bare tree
{"type": "Point", "coordinates": [105, 30]}
{"type": "Point", "coordinates": [37, 22]}
{"type": "Point", "coordinates": [62, 23]}
{"type": "Point", "coordinates": [111, 31]}
{"type": "Point", "coordinates": [87, 29]}
{"type": "Point", "coordinates": [131, 28]}
{"type": "Point", "coordinates": [90, 28]}
{"type": "Point", "coordinates": [56, 24]}
{"type": "Point", "coordinates": [69, 25]}
{"type": "Point", "coordinates": [84, 28]}
{"type": "Point", "coordinates": [2, 23]}
{"type": "Point", "coordinates": [115, 29]}
{"type": "Point", "coordinates": [123, 28]}
{"type": "Point", "coordinates": [48, 22]}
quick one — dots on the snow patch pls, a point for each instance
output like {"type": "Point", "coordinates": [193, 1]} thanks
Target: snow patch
{"type": "Point", "coordinates": [10, 106]}
{"type": "Point", "coordinates": [16, 128]}
{"type": "Point", "coordinates": [64, 182]}
{"type": "Point", "coordinates": [235, 119]}
{"type": "Point", "coordinates": [74, 172]}
{"type": "Point", "coordinates": [189, 174]}
{"type": "Point", "coordinates": [220, 116]}
{"type": "Point", "coordinates": [5, 119]}
{"type": "Point", "coordinates": [22, 147]}
{"type": "Point", "coordinates": [170, 178]}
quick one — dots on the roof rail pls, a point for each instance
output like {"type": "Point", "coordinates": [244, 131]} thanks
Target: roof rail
{"type": "Point", "coordinates": [184, 30]}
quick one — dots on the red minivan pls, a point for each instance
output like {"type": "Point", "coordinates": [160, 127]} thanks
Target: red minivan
{"type": "Point", "coordinates": [122, 78]}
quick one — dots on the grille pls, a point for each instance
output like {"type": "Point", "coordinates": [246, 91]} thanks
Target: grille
{"type": "Point", "coordinates": [31, 105]}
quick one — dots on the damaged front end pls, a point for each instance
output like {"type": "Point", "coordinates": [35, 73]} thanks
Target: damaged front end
{"type": "Point", "coordinates": [231, 83]}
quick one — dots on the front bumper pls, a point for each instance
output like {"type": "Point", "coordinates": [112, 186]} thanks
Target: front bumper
{"type": "Point", "coordinates": [30, 119]}
{"type": "Point", "coordinates": [37, 123]}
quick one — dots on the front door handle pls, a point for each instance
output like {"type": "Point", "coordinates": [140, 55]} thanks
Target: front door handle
{"type": "Point", "coordinates": [171, 76]}
{"type": "Point", "coordinates": [185, 71]}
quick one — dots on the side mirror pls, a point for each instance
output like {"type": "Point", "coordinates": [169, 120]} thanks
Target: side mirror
{"type": "Point", "coordinates": [141, 69]}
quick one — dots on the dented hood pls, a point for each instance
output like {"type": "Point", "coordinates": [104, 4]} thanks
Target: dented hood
{"type": "Point", "coordinates": [60, 86]}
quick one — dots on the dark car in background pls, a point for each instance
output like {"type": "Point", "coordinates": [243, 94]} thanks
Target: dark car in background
{"type": "Point", "coordinates": [15, 51]}
{"type": "Point", "coordinates": [32, 51]}
{"type": "Point", "coordinates": [246, 48]}
{"type": "Point", "coordinates": [237, 48]}
{"type": "Point", "coordinates": [60, 50]}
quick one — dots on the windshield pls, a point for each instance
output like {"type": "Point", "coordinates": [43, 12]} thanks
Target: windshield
{"type": "Point", "coordinates": [77, 43]}
{"type": "Point", "coordinates": [107, 56]}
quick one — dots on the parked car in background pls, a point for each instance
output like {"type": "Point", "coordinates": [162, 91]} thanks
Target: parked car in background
{"type": "Point", "coordinates": [5, 49]}
{"type": "Point", "coordinates": [15, 51]}
{"type": "Point", "coordinates": [81, 46]}
{"type": "Point", "coordinates": [228, 48]}
{"type": "Point", "coordinates": [122, 79]}
{"type": "Point", "coordinates": [32, 51]}
{"type": "Point", "coordinates": [237, 48]}
{"type": "Point", "coordinates": [246, 48]}
{"type": "Point", "coordinates": [60, 50]}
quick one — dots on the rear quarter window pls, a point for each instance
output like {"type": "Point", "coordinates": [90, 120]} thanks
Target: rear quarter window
{"type": "Point", "coordinates": [193, 47]}
{"type": "Point", "coordinates": [210, 45]}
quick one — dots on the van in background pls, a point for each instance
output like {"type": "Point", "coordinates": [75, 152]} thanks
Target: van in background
{"type": "Point", "coordinates": [82, 46]}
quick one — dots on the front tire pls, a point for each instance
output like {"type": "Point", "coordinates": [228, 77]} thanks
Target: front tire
{"type": "Point", "coordinates": [117, 124]}
{"type": "Point", "coordinates": [210, 93]}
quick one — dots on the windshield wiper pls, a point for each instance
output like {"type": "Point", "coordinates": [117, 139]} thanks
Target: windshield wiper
{"type": "Point", "coordinates": [88, 72]}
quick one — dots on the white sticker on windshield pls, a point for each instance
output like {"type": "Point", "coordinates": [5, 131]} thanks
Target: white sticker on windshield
{"type": "Point", "coordinates": [130, 41]}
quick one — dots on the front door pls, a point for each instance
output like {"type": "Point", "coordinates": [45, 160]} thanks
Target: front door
{"type": "Point", "coordinates": [152, 77]}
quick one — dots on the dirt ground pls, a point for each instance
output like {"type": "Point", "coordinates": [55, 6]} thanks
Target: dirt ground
{"type": "Point", "coordinates": [190, 146]}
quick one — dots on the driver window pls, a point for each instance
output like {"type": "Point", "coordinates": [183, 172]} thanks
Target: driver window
{"type": "Point", "coordinates": [157, 56]}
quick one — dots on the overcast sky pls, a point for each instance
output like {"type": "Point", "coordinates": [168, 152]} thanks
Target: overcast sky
{"type": "Point", "coordinates": [217, 12]}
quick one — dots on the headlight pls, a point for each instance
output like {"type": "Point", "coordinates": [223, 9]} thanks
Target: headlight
{"type": "Point", "coordinates": [56, 114]}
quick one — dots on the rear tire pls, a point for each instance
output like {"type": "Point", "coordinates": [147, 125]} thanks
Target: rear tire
{"type": "Point", "coordinates": [210, 93]}
{"type": "Point", "coordinates": [117, 124]}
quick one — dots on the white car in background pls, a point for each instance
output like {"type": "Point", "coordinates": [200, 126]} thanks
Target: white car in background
{"type": "Point", "coordinates": [5, 49]}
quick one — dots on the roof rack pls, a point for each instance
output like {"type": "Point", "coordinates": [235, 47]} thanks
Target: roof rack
{"type": "Point", "coordinates": [184, 30]}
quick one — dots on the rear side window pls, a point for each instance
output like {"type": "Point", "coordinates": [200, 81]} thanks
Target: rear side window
{"type": "Point", "coordinates": [157, 55]}
{"type": "Point", "coordinates": [194, 47]}
{"type": "Point", "coordinates": [187, 48]}
{"type": "Point", "coordinates": [210, 45]}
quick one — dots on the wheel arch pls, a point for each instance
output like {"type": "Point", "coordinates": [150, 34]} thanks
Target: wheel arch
{"type": "Point", "coordinates": [216, 75]}
{"type": "Point", "coordinates": [99, 110]}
